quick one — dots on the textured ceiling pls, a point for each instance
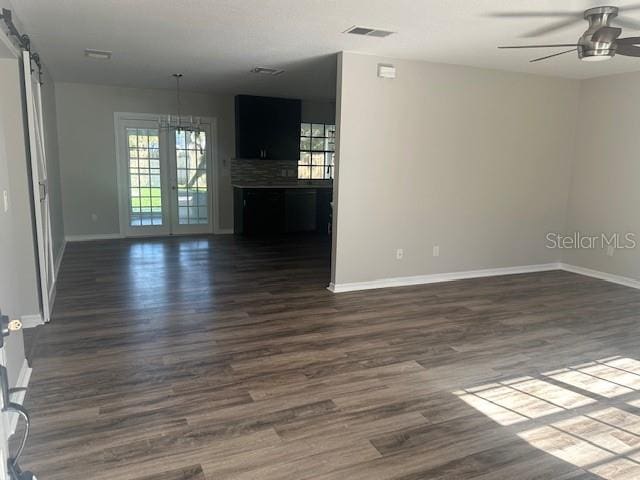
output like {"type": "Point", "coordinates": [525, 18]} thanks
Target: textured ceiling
{"type": "Point", "coordinates": [216, 42]}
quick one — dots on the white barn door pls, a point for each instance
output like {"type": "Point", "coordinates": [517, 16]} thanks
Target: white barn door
{"type": "Point", "coordinates": [40, 185]}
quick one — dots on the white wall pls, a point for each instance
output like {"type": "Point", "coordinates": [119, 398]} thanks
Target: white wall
{"type": "Point", "coordinates": [605, 188]}
{"type": "Point", "coordinates": [25, 277]}
{"type": "Point", "coordinates": [87, 148]}
{"type": "Point", "coordinates": [475, 161]}
{"type": "Point", "coordinates": [18, 278]}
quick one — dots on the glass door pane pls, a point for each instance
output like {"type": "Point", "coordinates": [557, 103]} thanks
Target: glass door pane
{"type": "Point", "coordinates": [145, 181]}
{"type": "Point", "coordinates": [192, 182]}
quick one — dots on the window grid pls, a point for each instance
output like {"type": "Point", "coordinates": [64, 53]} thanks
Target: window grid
{"type": "Point", "coordinates": [191, 167]}
{"type": "Point", "coordinates": [145, 194]}
{"type": "Point", "coordinates": [317, 151]}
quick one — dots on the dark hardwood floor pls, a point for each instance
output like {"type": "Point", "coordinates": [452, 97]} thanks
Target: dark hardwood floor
{"type": "Point", "coordinates": [226, 358]}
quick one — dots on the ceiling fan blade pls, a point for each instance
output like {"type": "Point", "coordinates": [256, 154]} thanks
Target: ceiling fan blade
{"type": "Point", "coordinates": [626, 22]}
{"type": "Point", "coordinates": [549, 14]}
{"type": "Point", "coordinates": [628, 50]}
{"type": "Point", "coordinates": [628, 41]}
{"type": "Point", "coordinates": [542, 46]}
{"type": "Point", "coordinates": [551, 56]}
{"type": "Point", "coordinates": [606, 34]}
{"type": "Point", "coordinates": [628, 8]}
{"type": "Point", "coordinates": [553, 27]}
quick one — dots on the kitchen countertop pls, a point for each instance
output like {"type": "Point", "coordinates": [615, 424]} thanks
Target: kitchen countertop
{"type": "Point", "coordinates": [281, 185]}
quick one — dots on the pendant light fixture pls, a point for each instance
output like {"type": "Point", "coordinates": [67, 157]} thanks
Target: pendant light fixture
{"type": "Point", "coordinates": [178, 122]}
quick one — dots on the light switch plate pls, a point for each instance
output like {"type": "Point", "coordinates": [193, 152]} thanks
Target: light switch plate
{"type": "Point", "coordinates": [5, 199]}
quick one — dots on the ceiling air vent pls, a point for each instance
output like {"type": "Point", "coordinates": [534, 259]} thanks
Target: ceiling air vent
{"type": "Point", "coordinates": [97, 54]}
{"type": "Point", "coordinates": [267, 71]}
{"type": "Point", "coordinates": [368, 32]}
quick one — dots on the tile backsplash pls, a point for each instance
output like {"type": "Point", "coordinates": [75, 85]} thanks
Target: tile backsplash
{"type": "Point", "coordinates": [247, 171]}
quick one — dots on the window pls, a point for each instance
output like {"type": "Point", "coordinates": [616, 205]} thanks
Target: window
{"type": "Point", "coordinates": [317, 151]}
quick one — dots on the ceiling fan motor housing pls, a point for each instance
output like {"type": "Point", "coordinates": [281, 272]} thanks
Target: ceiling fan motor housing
{"type": "Point", "coordinates": [588, 49]}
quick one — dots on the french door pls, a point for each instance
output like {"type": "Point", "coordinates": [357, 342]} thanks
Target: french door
{"type": "Point", "coordinates": [189, 176]}
{"type": "Point", "coordinates": [165, 178]}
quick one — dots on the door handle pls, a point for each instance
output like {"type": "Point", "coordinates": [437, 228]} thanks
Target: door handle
{"type": "Point", "coordinates": [43, 190]}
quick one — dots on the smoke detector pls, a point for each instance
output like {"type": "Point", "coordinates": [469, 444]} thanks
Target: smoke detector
{"type": "Point", "coordinates": [368, 32]}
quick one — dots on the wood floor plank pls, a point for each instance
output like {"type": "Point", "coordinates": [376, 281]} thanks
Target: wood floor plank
{"type": "Point", "coordinates": [193, 472]}
{"type": "Point", "coordinates": [222, 357]}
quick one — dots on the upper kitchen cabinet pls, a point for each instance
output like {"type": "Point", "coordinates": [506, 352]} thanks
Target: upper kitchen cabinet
{"type": "Point", "coordinates": [267, 128]}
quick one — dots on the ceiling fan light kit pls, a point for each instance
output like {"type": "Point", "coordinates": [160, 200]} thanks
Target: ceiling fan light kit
{"type": "Point", "coordinates": [599, 42]}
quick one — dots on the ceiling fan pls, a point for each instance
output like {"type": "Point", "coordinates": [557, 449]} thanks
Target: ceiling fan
{"type": "Point", "coordinates": [599, 42]}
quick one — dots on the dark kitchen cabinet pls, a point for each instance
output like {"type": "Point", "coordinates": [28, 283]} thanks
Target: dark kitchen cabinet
{"type": "Point", "coordinates": [281, 210]}
{"type": "Point", "coordinates": [300, 210]}
{"type": "Point", "coordinates": [267, 128]}
{"type": "Point", "coordinates": [264, 211]}
{"type": "Point", "coordinates": [323, 210]}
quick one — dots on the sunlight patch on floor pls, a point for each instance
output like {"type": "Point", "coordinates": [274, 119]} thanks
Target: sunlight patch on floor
{"type": "Point", "coordinates": [579, 379]}
{"type": "Point", "coordinates": [566, 413]}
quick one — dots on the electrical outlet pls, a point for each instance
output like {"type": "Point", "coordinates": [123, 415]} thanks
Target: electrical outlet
{"type": "Point", "coordinates": [5, 198]}
{"type": "Point", "coordinates": [436, 250]}
{"type": "Point", "coordinates": [610, 250]}
{"type": "Point", "coordinates": [399, 254]}
{"type": "Point", "coordinates": [94, 217]}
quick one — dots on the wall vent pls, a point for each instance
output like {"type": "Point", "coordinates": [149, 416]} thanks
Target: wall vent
{"type": "Point", "coordinates": [386, 71]}
{"type": "Point", "coordinates": [267, 71]}
{"type": "Point", "coordinates": [369, 32]}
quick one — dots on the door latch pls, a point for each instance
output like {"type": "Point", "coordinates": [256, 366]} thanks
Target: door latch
{"type": "Point", "coordinates": [7, 326]}
{"type": "Point", "coordinates": [13, 469]}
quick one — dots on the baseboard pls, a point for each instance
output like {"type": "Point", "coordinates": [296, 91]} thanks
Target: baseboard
{"type": "Point", "coordinates": [18, 397]}
{"type": "Point", "coordinates": [116, 236]}
{"type": "Point", "coordinates": [53, 291]}
{"type": "Point", "coordinates": [91, 238]}
{"type": "Point", "coordinates": [56, 270]}
{"type": "Point", "coordinates": [609, 277]}
{"type": "Point", "coordinates": [439, 277]}
{"type": "Point", "coordinates": [31, 321]}
{"type": "Point", "coordinates": [58, 260]}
